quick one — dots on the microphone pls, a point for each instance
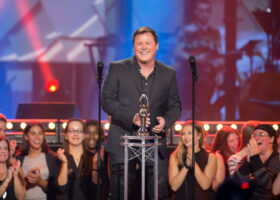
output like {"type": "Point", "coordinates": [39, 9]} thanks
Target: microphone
{"type": "Point", "coordinates": [100, 66]}
{"type": "Point", "coordinates": [193, 67]}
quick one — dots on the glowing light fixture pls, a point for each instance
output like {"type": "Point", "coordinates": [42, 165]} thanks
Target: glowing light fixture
{"type": "Point", "coordinates": [51, 125]}
{"type": "Point", "coordinates": [9, 125]}
{"type": "Point", "coordinates": [206, 127]}
{"type": "Point", "coordinates": [64, 125]}
{"type": "Point", "coordinates": [178, 127]}
{"type": "Point", "coordinates": [275, 126]}
{"type": "Point", "coordinates": [106, 126]}
{"type": "Point", "coordinates": [23, 125]}
{"type": "Point", "coordinates": [234, 126]}
{"type": "Point", "coordinates": [219, 127]}
{"type": "Point", "coordinates": [52, 85]}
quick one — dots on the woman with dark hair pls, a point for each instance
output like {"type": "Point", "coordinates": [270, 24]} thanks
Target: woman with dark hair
{"type": "Point", "coordinates": [78, 174]}
{"type": "Point", "coordinates": [38, 163]}
{"type": "Point", "coordinates": [180, 172]}
{"type": "Point", "coordinates": [91, 139]}
{"type": "Point", "coordinates": [91, 134]}
{"type": "Point", "coordinates": [235, 159]}
{"type": "Point", "coordinates": [262, 163]}
{"type": "Point", "coordinates": [11, 177]}
{"type": "Point", "coordinates": [226, 143]}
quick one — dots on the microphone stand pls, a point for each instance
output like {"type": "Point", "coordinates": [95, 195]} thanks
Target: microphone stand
{"type": "Point", "coordinates": [100, 66]}
{"type": "Point", "coordinates": [194, 79]}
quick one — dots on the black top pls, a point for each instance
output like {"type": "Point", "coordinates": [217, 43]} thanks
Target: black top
{"type": "Point", "coordinates": [9, 194]}
{"type": "Point", "coordinates": [78, 187]}
{"type": "Point", "coordinates": [185, 190]}
{"type": "Point", "coordinates": [262, 175]}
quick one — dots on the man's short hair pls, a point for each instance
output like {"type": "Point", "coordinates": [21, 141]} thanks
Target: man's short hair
{"type": "Point", "coordinates": [143, 30]}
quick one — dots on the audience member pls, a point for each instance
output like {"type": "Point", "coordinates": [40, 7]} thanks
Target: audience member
{"type": "Point", "coordinates": [38, 163]}
{"type": "Point", "coordinates": [246, 132]}
{"type": "Point", "coordinates": [91, 145]}
{"type": "Point", "coordinates": [226, 143]}
{"type": "Point", "coordinates": [262, 163]}
{"type": "Point", "coordinates": [78, 174]}
{"type": "Point", "coordinates": [3, 124]}
{"type": "Point", "coordinates": [180, 173]}
{"type": "Point", "coordinates": [11, 176]}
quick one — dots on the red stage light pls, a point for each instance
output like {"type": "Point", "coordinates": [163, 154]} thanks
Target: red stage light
{"type": "Point", "coordinates": [52, 85]}
{"type": "Point", "coordinates": [245, 185]}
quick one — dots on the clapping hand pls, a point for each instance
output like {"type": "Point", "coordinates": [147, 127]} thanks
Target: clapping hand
{"type": "Point", "coordinates": [33, 176]}
{"type": "Point", "coordinates": [61, 156]}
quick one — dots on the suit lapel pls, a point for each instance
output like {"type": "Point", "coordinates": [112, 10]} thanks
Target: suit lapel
{"type": "Point", "coordinates": [135, 74]}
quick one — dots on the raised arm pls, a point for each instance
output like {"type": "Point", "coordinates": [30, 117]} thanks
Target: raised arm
{"type": "Point", "coordinates": [221, 172]}
{"type": "Point", "coordinates": [63, 174]}
{"type": "Point", "coordinates": [205, 178]}
{"type": "Point", "coordinates": [176, 177]}
{"type": "Point", "coordinates": [19, 186]}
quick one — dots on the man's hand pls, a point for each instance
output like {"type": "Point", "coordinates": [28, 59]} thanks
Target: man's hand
{"type": "Point", "coordinates": [161, 123]}
{"type": "Point", "coordinates": [137, 120]}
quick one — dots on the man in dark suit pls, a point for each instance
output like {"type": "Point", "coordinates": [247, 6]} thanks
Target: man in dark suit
{"type": "Point", "coordinates": [122, 88]}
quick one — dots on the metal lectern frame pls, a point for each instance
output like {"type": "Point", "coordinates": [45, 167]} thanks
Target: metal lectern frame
{"type": "Point", "coordinates": [142, 150]}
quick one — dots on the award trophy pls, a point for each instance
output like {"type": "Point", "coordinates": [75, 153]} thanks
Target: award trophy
{"type": "Point", "coordinates": [143, 112]}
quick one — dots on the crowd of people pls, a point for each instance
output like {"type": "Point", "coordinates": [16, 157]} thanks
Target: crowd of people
{"type": "Point", "coordinates": [86, 169]}
{"type": "Point", "coordinates": [247, 162]}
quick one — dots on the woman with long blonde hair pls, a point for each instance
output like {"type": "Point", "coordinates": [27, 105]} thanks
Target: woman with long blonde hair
{"type": "Point", "coordinates": [180, 172]}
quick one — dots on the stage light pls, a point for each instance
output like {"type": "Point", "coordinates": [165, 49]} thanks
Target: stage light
{"type": "Point", "coordinates": [9, 125]}
{"type": "Point", "coordinates": [234, 126]}
{"type": "Point", "coordinates": [178, 127]}
{"type": "Point", "coordinates": [219, 127]}
{"type": "Point", "coordinates": [64, 125]}
{"type": "Point", "coordinates": [268, 10]}
{"type": "Point", "coordinates": [206, 127]}
{"type": "Point", "coordinates": [106, 126]}
{"type": "Point", "coordinates": [245, 185]}
{"type": "Point", "coordinates": [52, 85]}
{"type": "Point", "coordinates": [23, 125]}
{"type": "Point", "coordinates": [275, 126]}
{"type": "Point", "coordinates": [51, 125]}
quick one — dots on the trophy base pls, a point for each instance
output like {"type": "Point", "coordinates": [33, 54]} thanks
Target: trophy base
{"type": "Point", "coordinates": [142, 134]}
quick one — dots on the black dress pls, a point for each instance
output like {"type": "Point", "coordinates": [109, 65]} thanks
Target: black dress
{"type": "Point", "coordinates": [9, 194]}
{"type": "Point", "coordinates": [185, 190]}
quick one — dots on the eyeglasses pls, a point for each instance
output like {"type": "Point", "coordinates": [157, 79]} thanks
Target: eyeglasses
{"type": "Point", "coordinates": [260, 135]}
{"type": "Point", "coordinates": [73, 131]}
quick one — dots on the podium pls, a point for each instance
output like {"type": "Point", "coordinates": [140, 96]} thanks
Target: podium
{"type": "Point", "coordinates": [146, 149]}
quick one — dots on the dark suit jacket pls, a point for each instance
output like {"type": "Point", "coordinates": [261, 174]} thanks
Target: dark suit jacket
{"type": "Point", "coordinates": [120, 99]}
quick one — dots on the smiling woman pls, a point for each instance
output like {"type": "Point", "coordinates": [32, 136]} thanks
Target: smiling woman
{"type": "Point", "coordinates": [78, 170]}
{"type": "Point", "coordinates": [38, 163]}
{"type": "Point", "coordinates": [180, 173]}
{"type": "Point", "coordinates": [11, 178]}
{"type": "Point", "coordinates": [262, 163]}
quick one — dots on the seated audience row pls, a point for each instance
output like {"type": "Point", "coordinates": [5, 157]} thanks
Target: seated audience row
{"type": "Point", "coordinates": [73, 172]}
{"type": "Point", "coordinates": [256, 164]}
